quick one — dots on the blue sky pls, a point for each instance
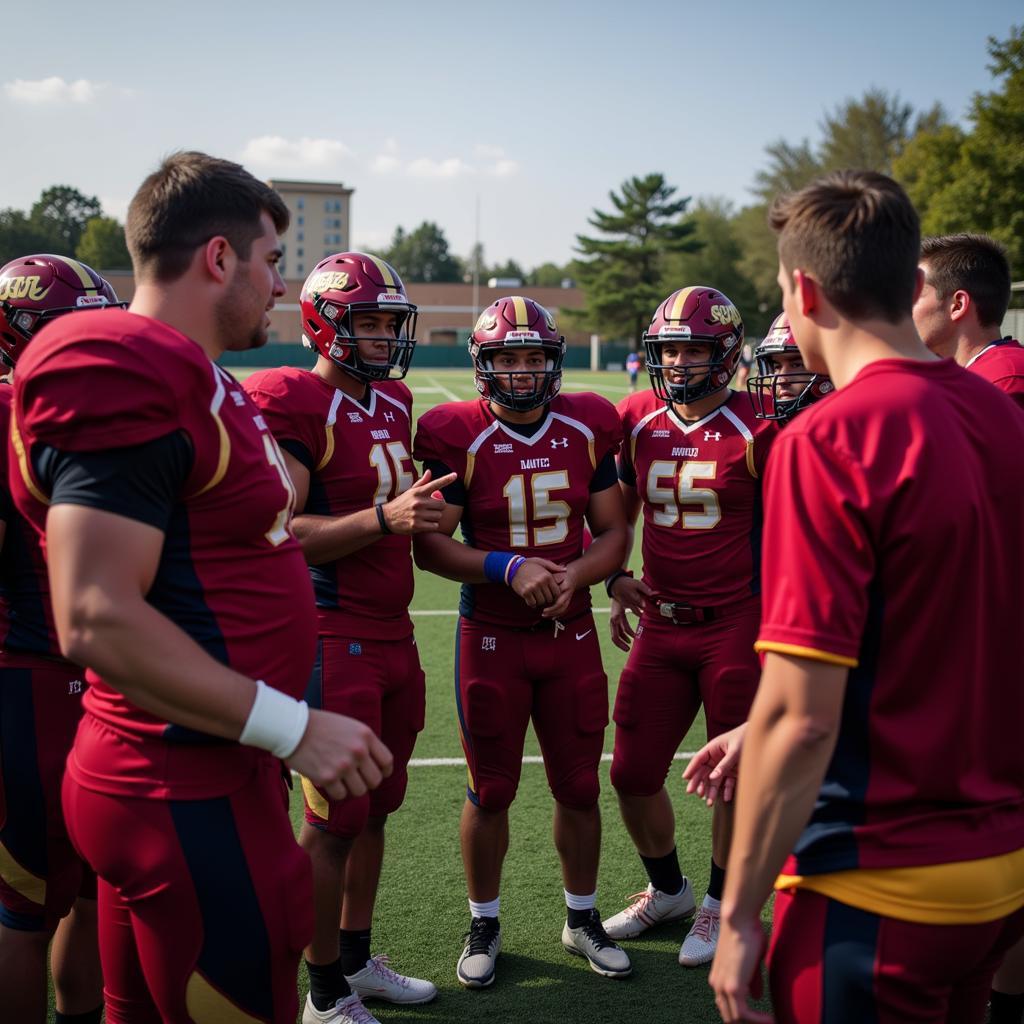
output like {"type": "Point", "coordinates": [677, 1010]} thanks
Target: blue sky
{"type": "Point", "coordinates": [538, 108]}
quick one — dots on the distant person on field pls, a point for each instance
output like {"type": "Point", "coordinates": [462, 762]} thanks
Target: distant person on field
{"type": "Point", "coordinates": [961, 308]}
{"type": "Point", "coordinates": [633, 369]}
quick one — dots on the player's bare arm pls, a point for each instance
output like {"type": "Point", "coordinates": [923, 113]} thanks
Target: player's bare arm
{"type": "Point", "coordinates": [789, 741]}
{"type": "Point", "coordinates": [607, 522]}
{"type": "Point", "coordinates": [101, 566]}
{"type": "Point", "coordinates": [627, 593]}
{"type": "Point", "coordinates": [535, 581]}
{"type": "Point", "coordinates": [328, 538]}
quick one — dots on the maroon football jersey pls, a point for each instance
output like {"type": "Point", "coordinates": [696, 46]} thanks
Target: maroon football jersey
{"type": "Point", "coordinates": [893, 517]}
{"type": "Point", "coordinates": [231, 574]}
{"type": "Point", "coordinates": [1002, 363]}
{"type": "Point", "coordinates": [26, 616]}
{"type": "Point", "coordinates": [523, 494]}
{"type": "Point", "coordinates": [358, 456]}
{"type": "Point", "coordinates": [700, 484]}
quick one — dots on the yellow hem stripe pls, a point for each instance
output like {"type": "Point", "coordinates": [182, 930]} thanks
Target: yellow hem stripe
{"type": "Point", "coordinates": [805, 652]}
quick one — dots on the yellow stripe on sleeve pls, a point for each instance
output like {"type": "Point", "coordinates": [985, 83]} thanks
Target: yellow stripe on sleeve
{"type": "Point", "coordinates": [812, 653]}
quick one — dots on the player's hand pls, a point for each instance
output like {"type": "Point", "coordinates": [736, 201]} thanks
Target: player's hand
{"type": "Point", "coordinates": [536, 582]}
{"type": "Point", "coordinates": [712, 770]}
{"type": "Point", "coordinates": [632, 594]}
{"type": "Point", "coordinates": [418, 510]}
{"type": "Point", "coordinates": [736, 971]}
{"type": "Point", "coordinates": [567, 586]}
{"type": "Point", "coordinates": [341, 756]}
{"type": "Point", "coordinates": [622, 632]}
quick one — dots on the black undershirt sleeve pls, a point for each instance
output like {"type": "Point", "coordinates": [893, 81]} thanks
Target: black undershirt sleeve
{"type": "Point", "coordinates": [142, 482]}
{"type": "Point", "coordinates": [298, 451]}
{"type": "Point", "coordinates": [605, 475]}
{"type": "Point", "coordinates": [454, 493]}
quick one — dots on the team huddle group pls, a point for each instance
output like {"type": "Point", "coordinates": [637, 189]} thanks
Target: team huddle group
{"type": "Point", "coordinates": [833, 568]}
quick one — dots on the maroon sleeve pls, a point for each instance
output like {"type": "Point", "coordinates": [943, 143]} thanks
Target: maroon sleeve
{"type": "Point", "coordinates": [819, 562]}
{"type": "Point", "coordinates": [439, 440]}
{"type": "Point", "coordinates": [290, 414]}
{"type": "Point", "coordinates": [104, 394]}
{"type": "Point", "coordinates": [627, 471]}
{"type": "Point", "coordinates": [608, 429]}
{"type": "Point", "coordinates": [763, 441]}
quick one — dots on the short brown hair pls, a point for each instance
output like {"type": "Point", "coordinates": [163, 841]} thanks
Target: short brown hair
{"type": "Point", "coordinates": [972, 263]}
{"type": "Point", "coordinates": [189, 199]}
{"type": "Point", "coordinates": [858, 234]}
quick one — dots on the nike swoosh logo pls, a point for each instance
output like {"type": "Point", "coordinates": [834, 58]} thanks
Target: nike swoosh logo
{"type": "Point", "coordinates": [580, 636]}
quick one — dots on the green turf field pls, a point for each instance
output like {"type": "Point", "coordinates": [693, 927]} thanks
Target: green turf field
{"type": "Point", "coordinates": [422, 911]}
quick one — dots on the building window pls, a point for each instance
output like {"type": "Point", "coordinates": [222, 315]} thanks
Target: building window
{"type": "Point", "coordinates": [301, 204]}
{"type": "Point", "coordinates": [302, 220]}
{"type": "Point", "coordinates": [300, 236]}
{"type": "Point", "coordinates": [298, 252]}
{"type": "Point", "coordinates": [327, 205]}
{"type": "Point", "coordinates": [299, 270]}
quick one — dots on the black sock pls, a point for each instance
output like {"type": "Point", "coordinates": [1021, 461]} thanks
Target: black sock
{"type": "Point", "coordinates": [1006, 1009]}
{"type": "Point", "coordinates": [717, 882]}
{"type": "Point", "coordinates": [578, 918]}
{"type": "Point", "coordinates": [327, 984]}
{"type": "Point", "coordinates": [89, 1017]}
{"type": "Point", "coordinates": [664, 872]}
{"type": "Point", "coordinates": [355, 949]}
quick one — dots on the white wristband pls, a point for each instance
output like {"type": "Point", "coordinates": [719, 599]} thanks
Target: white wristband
{"type": "Point", "coordinates": [276, 722]}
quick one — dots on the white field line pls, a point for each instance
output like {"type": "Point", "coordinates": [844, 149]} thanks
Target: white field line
{"type": "Point", "coordinates": [455, 611]}
{"type": "Point", "coordinates": [456, 762]}
{"type": "Point", "coordinates": [450, 395]}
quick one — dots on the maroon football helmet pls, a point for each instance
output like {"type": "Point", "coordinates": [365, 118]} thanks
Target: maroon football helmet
{"type": "Point", "coordinates": [696, 315]}
{"type": "Point", "coordinates": [35, 289]}
{"type": "Point", "coordinates": [342, 286]}
{"type": "Point", "coordinates": [516, 322]}
{"type": "Point", "coordinates": [780, 394]}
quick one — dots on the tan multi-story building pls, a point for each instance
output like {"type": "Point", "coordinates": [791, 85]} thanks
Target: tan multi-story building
{"type": "Point", "coordinates": [319, 225]}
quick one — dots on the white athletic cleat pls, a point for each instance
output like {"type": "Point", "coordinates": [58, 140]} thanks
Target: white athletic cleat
{"type": "Point", "coordinates": [378, 981]}
{"type": "Point", "coordinates": [650, 907]}
{"type": "Point", "coordinates": [483, 944]}
{"type": "Point", "coordinates": [349, 1010]}
{"type": "Point", "coordinates": [591, 941]}
{"type": "Point", "coordinates": [700, 943]}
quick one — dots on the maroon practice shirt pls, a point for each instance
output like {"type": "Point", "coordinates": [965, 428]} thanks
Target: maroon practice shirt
{"type": "Point", "coordinates": [701, 491]}
{"type": "Point", "coordinates": [522, 494]}
{"type": "Point", "coordinates": [1002, 363]}
{"type": "Point", "coordinates": [893, 514]}
{"type": "Point", "coordinates": [357, 456]}
{"type": "Point", "coordinates": [231, 574]}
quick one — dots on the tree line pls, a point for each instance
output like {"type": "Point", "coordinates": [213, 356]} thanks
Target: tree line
{"type": "Point", "coordinates": [651, 241]}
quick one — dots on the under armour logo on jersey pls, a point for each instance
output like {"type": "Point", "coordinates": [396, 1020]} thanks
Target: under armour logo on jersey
{"type": "Point", "coordinates": [389, 417]}
{"type": "Point", "coordinates": [354, 417]}
{"type": "Point", "coordinates": [237, 397]}
{"type": "Point", "coordinates": [559, 442]}
{"type": "Point", "coordinates": [712, 435]}
{"type": "Point", "coordinates": [490, 643]}
{"type": "Point", "coordinates": [355, 648]}
{"type": "Point", "coordinates": [74, 686]}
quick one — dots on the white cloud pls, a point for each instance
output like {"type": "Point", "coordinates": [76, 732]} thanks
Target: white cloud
{"type": "Point", "coordinates": [452, 167]}
{"type": "Point", "coordinates": [503, 168]}
{"type": "Point", "coordinates": [384, 163]}
{"type": "Point", "coordinates": [487, 152]}
{"type": "Point", "coordinates": [278, 153]}
{"type": "Point", "coordinates": [54, 90]}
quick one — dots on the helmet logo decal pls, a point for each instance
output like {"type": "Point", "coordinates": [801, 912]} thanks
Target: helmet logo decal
{"type": "Point", "coordinates": [329, 280]}
{"type": "Point", "coordinates": [487, 322]}
{"type": "Point", "coordinates": [550, 321]}
{"type": "Point", "coordinates": [726, 315]}
{"type": "Point", "coordinates": [91, 300]}
{"type": "Point", "coordinates": [826, 386]}
{"type": "Point", "coordinates": [22, 287]}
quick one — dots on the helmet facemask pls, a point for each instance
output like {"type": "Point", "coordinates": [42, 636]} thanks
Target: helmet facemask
{"type": "Point", "coordinates": [674, 382]}
{"type": "Point", "coordinates": [498, 386]}
{"type": "Point", "coordinates": [344, 349]}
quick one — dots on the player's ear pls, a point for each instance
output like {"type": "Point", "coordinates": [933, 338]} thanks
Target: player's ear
{"type": "Point", "coordinates": [918, 283]}
{"type": "Point", "coordinates": [217, 258]}
{"type": "Point", "coordinates": [807, 291]}
{"type": "Point", "coordinates": [959, 304]}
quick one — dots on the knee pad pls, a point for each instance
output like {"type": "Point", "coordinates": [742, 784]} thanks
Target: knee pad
{"type": "Point", "coordinates": [578, 792]}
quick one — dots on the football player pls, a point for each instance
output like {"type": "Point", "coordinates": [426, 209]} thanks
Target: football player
{"type": "Point", "coordinates": [783, 386]}
{"type": "Point", "coordinates": [174, 577]}
{"type": "Point", "coordinates": [961, 307]}
{"type": "Point", "coordinates": [42, 879]}
{"type": "Point", "coordinates": [532, 467]}
{"type": "Point", "coordinates": [692, 458]}
{"type": "Point", "coordinates": [880, 782]}
{"type": "Point", "coordinates": [345, 429]}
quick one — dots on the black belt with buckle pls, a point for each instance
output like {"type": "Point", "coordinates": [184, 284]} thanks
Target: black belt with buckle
{"type": "Point", "coordinates": [689, 615]}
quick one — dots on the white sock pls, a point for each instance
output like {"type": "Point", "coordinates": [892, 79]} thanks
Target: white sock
{"type": "Point", "coordinates": [574, 902]}
{"type": "Point", "coordinates": [712, 904]}
{"type": "Point", "coordinates": [488, 909]}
